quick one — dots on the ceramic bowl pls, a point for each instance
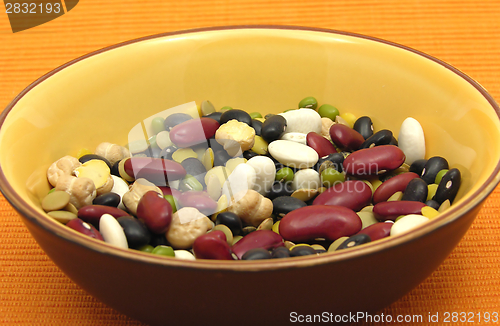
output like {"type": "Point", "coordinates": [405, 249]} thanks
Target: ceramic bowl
{"type": "Point", "coordinates": [103, 95]}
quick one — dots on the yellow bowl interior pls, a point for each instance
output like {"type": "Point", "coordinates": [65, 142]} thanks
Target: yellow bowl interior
{"type": "Point", "coordinates": [102, 97]}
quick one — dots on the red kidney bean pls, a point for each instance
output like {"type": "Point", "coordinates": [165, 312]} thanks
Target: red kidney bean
{"type": "Point", "coordinates": [390, 210]}
{"type": "Point", "coordinates": [156, 170]}
{"type": "Point", "coordinates": [212, 245]}
{"type": "Point", "coordinates": [371, 161]}
{"type": "Point", "coordinates": [155, 211]}
{"type": "Point", "coordinates": [394, 184]}
{"type": "Point", "coordinates": [193, 132]}
{"type": "Point", "coordinates": [345, 138]}
{"type": "Point", "coordinates": [199, 200]}
{"type": "Point", "coordinates": [92, 213]}
{"type": "Point", "coordinates": [265, 239]}
{"type": "Point", "coordinates": [84, 228]}
{"type": "Point", "coordinates": [378, 230]}
{"type": "Point", "coordinates": [319, 221]}
{"type": "Point", "coordinates": [353, 194]}
{"type": "Point", "coordinates": [320, 144]}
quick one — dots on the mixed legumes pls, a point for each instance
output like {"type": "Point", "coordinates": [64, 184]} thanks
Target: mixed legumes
{"type": "Point", "coordinates": [235, 185]}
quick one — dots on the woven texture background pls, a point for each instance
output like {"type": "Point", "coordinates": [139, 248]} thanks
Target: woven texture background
{"type": "Point", "coordinates": [33, 291]}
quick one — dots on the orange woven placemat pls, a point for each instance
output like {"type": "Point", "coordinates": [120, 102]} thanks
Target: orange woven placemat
{"type": "Point", "coordinates": [33, 291]}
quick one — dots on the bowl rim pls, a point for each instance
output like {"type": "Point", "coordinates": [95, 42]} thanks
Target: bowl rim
{"type": "Point", "coordinates": [454, 213]}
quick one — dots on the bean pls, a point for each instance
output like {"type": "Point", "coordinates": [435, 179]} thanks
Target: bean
{"type": "Point", "coordinates": [394, 184]}
{"type": "Point", "coordinates": [432, 167]}
{"type": "Point", "coordinates": [432, 203]}
{"type": "Point", "coordinates": [280, 189]}
{"type": "Point", "coordinates": [448, 187]}
{"type": "Point", "coordinates": [156, 170]}
{"type": "Point", "coordinates": [372, 161]}
{"type": "Point", "coordinates": [212, 245]}
{"type": "Point", "coordinates": [285, 152]}
{"type": "Point", "coordinates": [440, 175]}
{"type": "Point", "coordinates": [333, 160]}
{"type": "Point", "coordinates": [354, 241]}
{"type": "Point", "coordinates": [284, 174]}
{"type": "Point", "coordinates": [206, 108]}
{"type": "Point", "coordinates": [378, 230]}
{"type": "Point", "coordinates": [155, 211]}
{"type": "Point", "coordinates": [280, 252]}
{"type": "Point", "coordinates": [256, 254]}
{"type": "Point", "coordinates": [319, 221]}
{"type": "Point", "coordinates": [353, 194]}
{"type": "Point", "coordinates": [190, 183]}
{"type": "Point", "coordinates": [167, 153]}
{"type": "Point", "coordinates": [92, 213]}
{"type": "Point", "coordinates": [330, 177]}
{"type": "Point", "coordinates": [236, 114]}
{"type": "Point", "coordinates": [265, 239]}
{"type": "Point", "coordinates": [195, 168]}
{"type": "Point", "coordinates": [163, 250]}
{"type": "Point", "coordinates": [175, 119]}
{"type": "Point", "coordinates": [381, 137]}
{"type": "Point", "coordinates": [84, 228]}
{"type": "Point", "coordinates": [364, 126]}
{"type": "Point", "coordinates": [193, 132]}
{"type": "Point", "coordinates": [62, 216]}
{"type": "Point", "coordinates": [136, 232]}
{"type": "Point", "coordinates": [345, 138]}
{"type": "Point", "coordinates": [214, 115]}
{"type": "Point", "coordinates": [55, 200]}
{"type": "Point", "coordinates": [284, 204]}
{"type": "Point", "coordinates": [308, 103]}
{"type": "Point", "coordinates": [416, 190]}
{"type": "Point", "coordinates": [407, 223]}
{"type": "Point", "coordinates": [199, 200]}
{"type": "Point", "coordinates": [328, 111]}
{"type": "Point", "coordinates": [390, 210]}
{"type": "Point", "coordinates": [257, 126]}
{"type": "Point", "coordinates": [412, 140]}
{"type": "Point", "coordinates": [273, 128]}
{"type": "Point", "coordinates": [320, 144]}
{"type": "Point", "coordinates": [158, 125]}
{"type": "Point", "coordinates": [88, 157]}
{"type": "Point", "coordinates": [231, 220]}
{"type": "Point", "coordinates": [302, 121]}
{"type": "Point", "coordinates": [302, 251]}
{"type": "Point", "coordinates": [107, 199]}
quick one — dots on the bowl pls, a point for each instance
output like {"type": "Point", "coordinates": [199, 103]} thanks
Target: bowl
{"type": "Point", "coordinates": [103, 95]}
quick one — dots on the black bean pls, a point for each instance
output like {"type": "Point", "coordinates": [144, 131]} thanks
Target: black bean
{"type": "Point", "coordinates": [448, 187]}
{"type": "Point", "coordinates": [214, 115]}
{"type": "Point", "coordinates": [256, 253]}
{"type": "Point", "coordinates": [194, 167]}
{"type": "Point", "coordinates": [88, 157]}
{"type": "Point", "coordinates": [249, 154]}
{"type": "Point", "coordinates": [418, 166]}
{"type": "Point", "coordinates": [221, 157]}
{"type": "Point", "coordinates": [280, 189]}
{"type": "Point", "coordinates": [107, 199]}
{"type": "Point", "coordinates": [236, 114]}
{"type": "Point", "coordinates": [136, 232]}
{"type": "Point", "coordinates": [167, 152]}
{"type": "Point", "coordinates": [280, 252]}
{"type": "Point", "coordinates": [432, 167]}
{"type": "Point", "coordinates": [432, 203]}
{"type": "Point", "coordinates": [355, 240]}
{"type": "Point", "coordinates": [273, 128]}
{"type": "Point", "coordinates": [175, 119]}
{"type": "Point", "coordinates": [416, 190]}
{"type": "Point", "coordinates": [231, 220]}
{"type": "Point", "coordinates": [333, 160]}
{"type": "Point", "coordinates": [285, 204]}
{"type": "Point", "coordinates": [257, 126]}
{"type": "Point", "coordinates": [302, 251]}
{"type": "Point", "coordinates": [364, 126]}
{"type": "Point", "coordinates": [382, 137]}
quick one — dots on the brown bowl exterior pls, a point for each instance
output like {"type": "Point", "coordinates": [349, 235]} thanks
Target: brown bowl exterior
{"type": "Point", "coordinates": [267, 69]}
